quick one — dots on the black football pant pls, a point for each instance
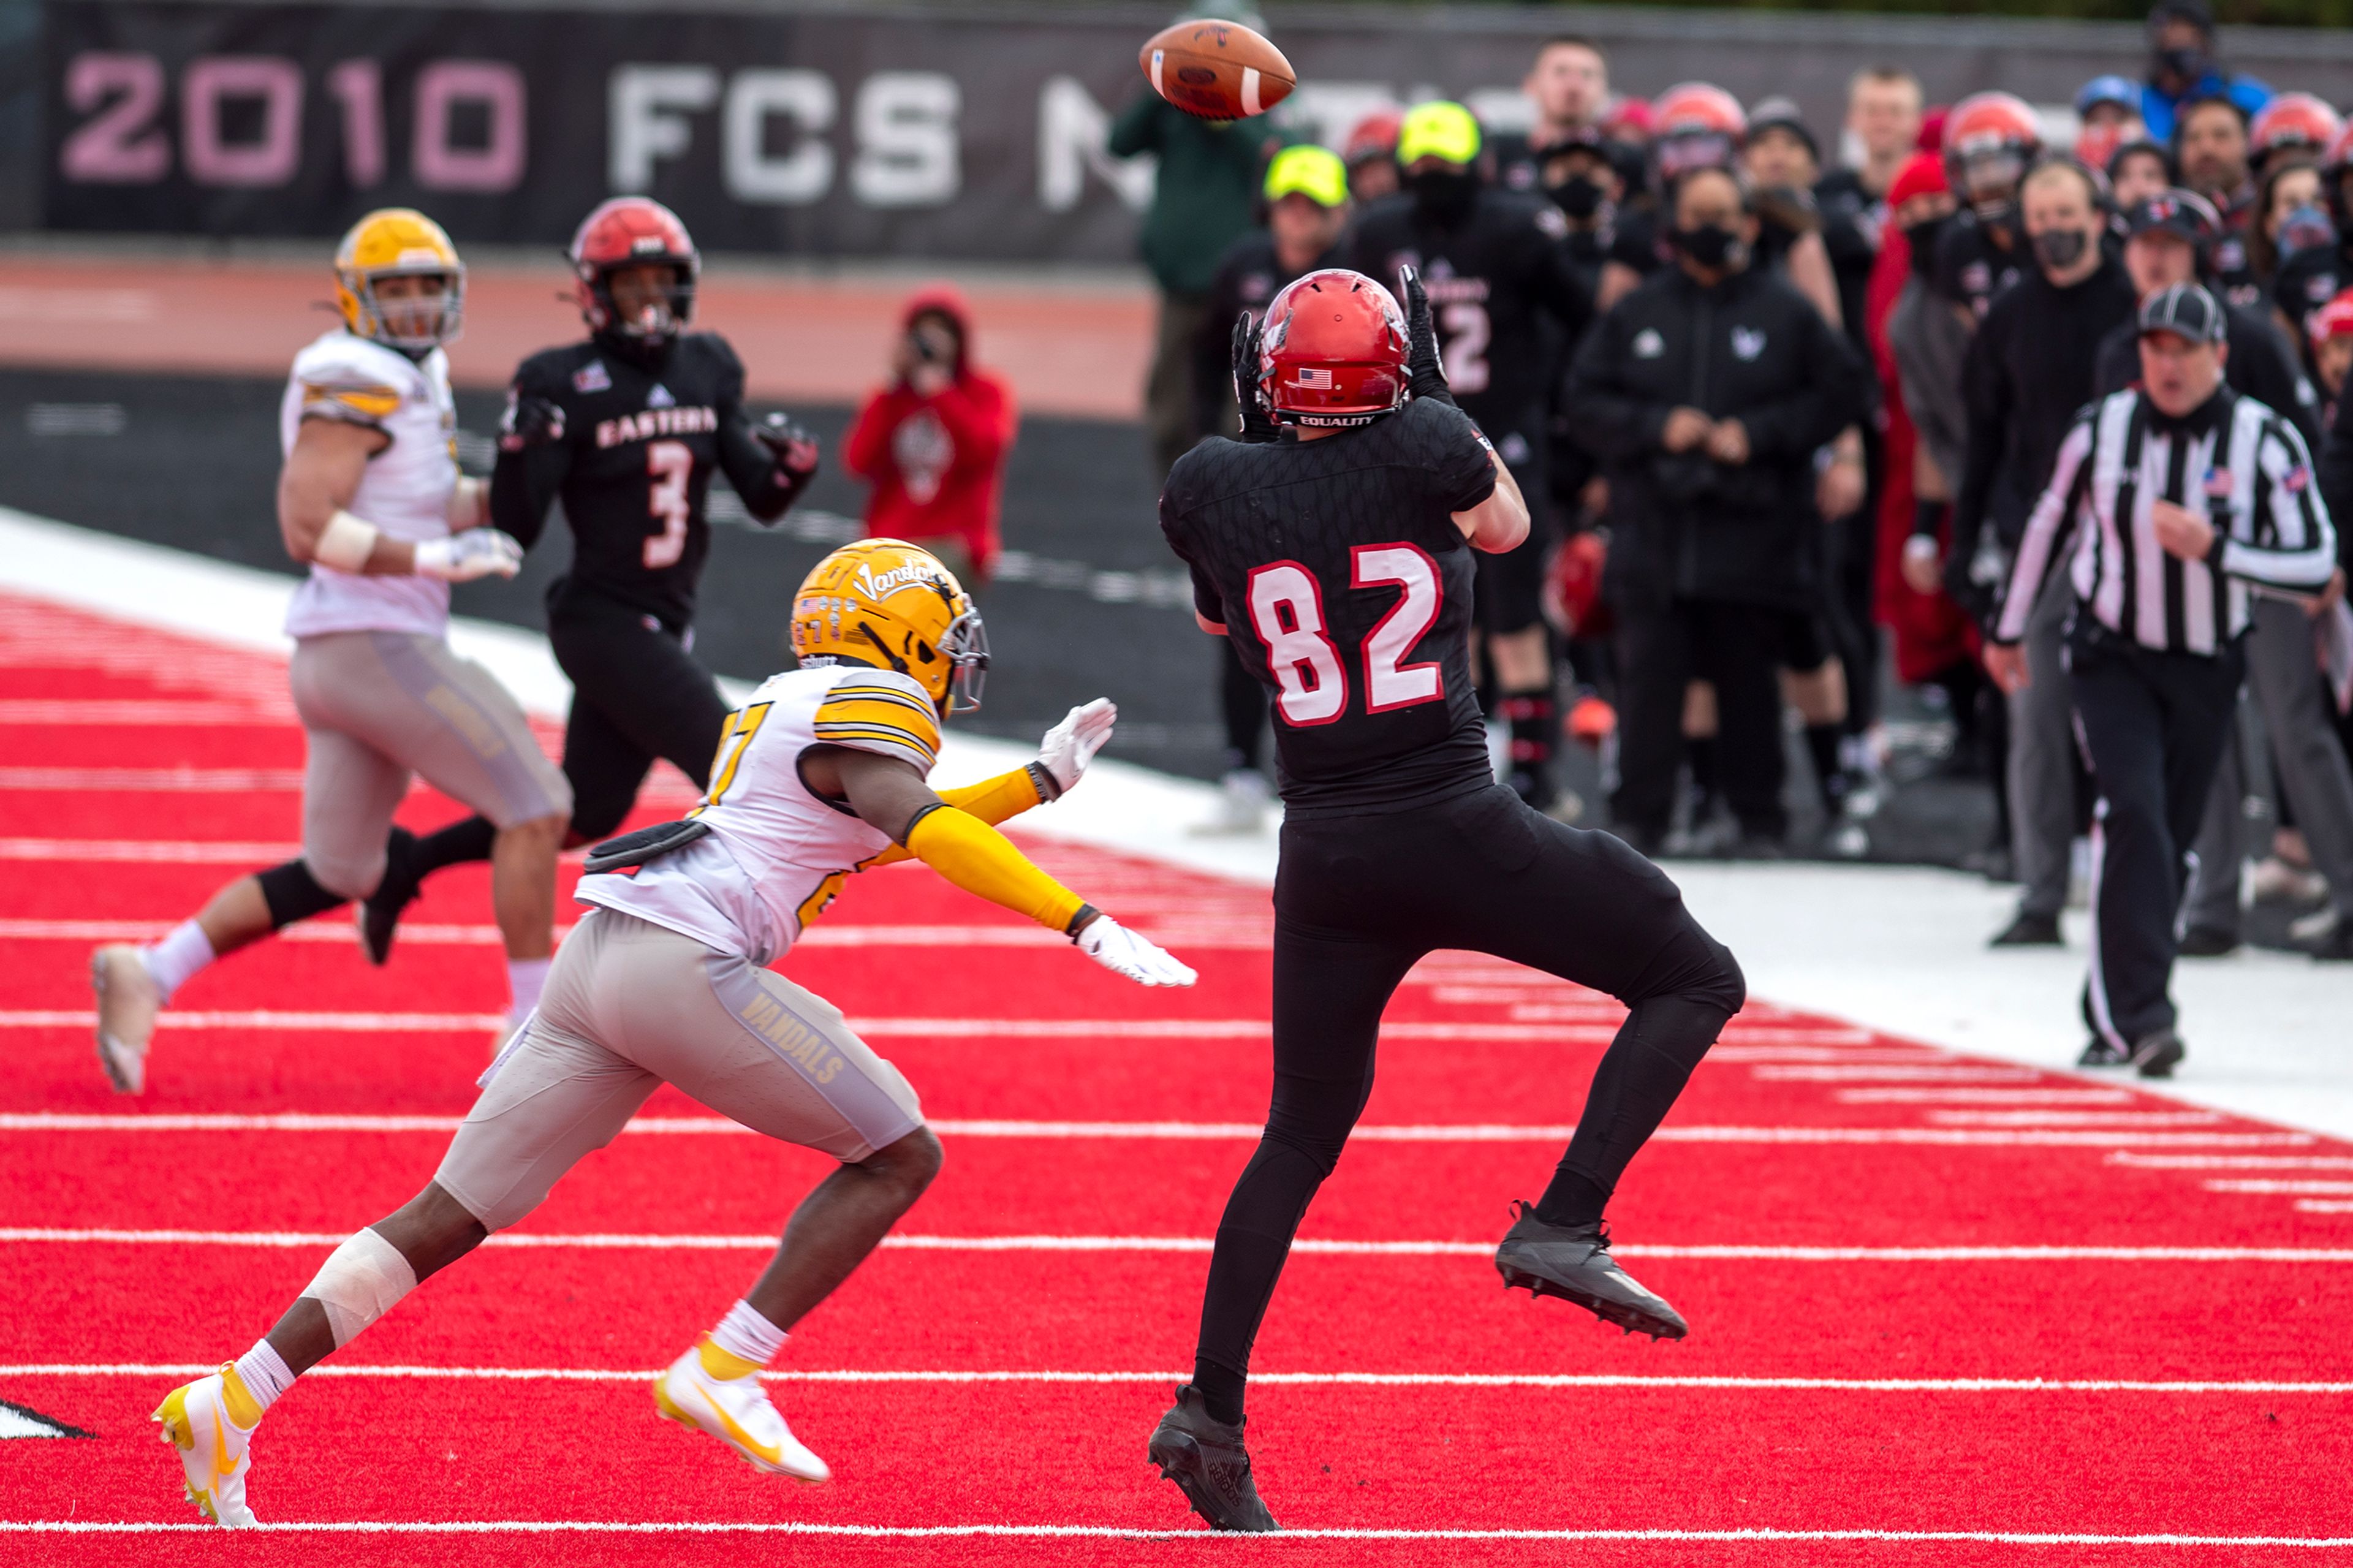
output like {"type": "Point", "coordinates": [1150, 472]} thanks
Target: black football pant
{"type": "Point", "coordinates": [637, 694]}
{"type": "Point", "coordinates": [1661, 649]}
{"type": "Point", "coordinates": [1357, 902]}
{"type": "Point", "coordinates": [2153, 726]}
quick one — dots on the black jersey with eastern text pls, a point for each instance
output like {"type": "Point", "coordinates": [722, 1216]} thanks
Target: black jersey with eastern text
{"type": "Point", "coordinates": [643, 436]}
{"type": "Point", "coordinates": [1337, 570]}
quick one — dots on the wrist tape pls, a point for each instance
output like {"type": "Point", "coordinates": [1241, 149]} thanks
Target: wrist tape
{"type": "Point", "coordinates": [346, 543]}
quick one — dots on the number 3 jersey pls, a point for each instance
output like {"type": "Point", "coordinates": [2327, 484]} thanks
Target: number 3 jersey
{"type": "Point", "coordinates": [1337, 570]}
{"type": "Point", "coordinates": [644, 433]}
{"type": "Point", "coordinates": [777, 852]}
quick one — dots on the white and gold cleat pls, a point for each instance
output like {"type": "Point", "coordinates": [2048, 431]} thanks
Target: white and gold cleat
{"type": "Point", "coordinates": [127, 1001]}
{"type": "Point", "coordinates": [214, 1449]}
{"type": "Point", "coordinates": [735, 1410]}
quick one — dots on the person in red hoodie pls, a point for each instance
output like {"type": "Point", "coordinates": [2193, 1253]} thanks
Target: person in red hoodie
{"type": "Point", "coordinates": [933, 442]}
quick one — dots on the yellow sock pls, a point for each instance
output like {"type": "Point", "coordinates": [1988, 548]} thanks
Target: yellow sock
{"type": "Point", "coordinates": [721, 1364]}
{"type": "Point", "coordinates": [243, 1407]}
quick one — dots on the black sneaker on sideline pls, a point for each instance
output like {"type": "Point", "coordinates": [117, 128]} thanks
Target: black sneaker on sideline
{"type": "Point", "coordinates": [2207, 942]}
{"type": "Point", "coordinates": [2029, 929]}
{"type": "Point", "coordinates": [1207, 1460]}
{"type": "Point", "coordinates": [2098, 1053]}
{"type": "Point", "coordinates": [2334, 945]}
{"type": "Point", "coordinates": [2157, 1053]}
{"type": "Point", "coordinates": [1573, 1262]}
{"type": "Point", "coordinates": [379, 912]}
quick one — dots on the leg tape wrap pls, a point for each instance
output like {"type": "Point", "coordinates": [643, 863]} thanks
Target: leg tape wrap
{"type": "Point", "coordinates": [361, 1281]}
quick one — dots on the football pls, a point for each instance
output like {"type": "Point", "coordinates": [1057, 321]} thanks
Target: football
{"type": "Point", "coordinates": [1218, 70]}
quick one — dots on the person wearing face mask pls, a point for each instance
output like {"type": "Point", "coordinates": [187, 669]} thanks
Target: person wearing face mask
{"type": "Point", "coordinates": [2182, 68]}
{"type": "Point", "coordinates": [1506, 300]}
{"type": "Point", "coordinates": [2028, 370]}
{"type": "Point", "coordinates": [1579, 171]}
{"type": "Point", "coordinates": [2313, 276]}
{"type": "Point", "coordinates": [1306, 209]}
{"type": "Point", "coordinates": [1705, 393]}
{"type": "Point", "coordinates": [2289, 218]}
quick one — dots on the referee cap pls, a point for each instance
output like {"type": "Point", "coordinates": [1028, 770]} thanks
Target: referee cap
{"type": "Point", "coordinates": [1315, 173]}
{"type": "Point", "coordinates": [1438, 130]}
{"type": "Point", "coordinates": [2187, 311]}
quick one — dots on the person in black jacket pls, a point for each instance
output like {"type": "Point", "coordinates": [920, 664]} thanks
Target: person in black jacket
{"type": "Point", "coordinates": [2028, 370]}
{"type": "Point", "coordinates": [1706, 393]}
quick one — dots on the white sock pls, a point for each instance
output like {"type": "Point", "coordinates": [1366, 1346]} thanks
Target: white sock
{"type": "Point", "coordinates": [264, 1374]}
{"type": "Point", "coordinates": [744, 1333]}
{"type": "Point", "coordinates": [174, 961]}
{"type": "Point", "coordinates": [526, 978]}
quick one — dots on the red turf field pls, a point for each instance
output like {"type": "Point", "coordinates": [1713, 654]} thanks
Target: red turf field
{"type": "Point", "coordinates": [1939, 1304]}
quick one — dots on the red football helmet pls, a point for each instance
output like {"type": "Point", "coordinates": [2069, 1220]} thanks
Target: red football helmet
{"type": "Point", "coordinates": [1373, 136]}
{"type": "Point", "coordinates": [2295, 121]}
{"type": "Point", "coordinates": [635, 231]}
{"type": "Point", "coordinates": [1331, 350]}
{"type": "Point", "coordinates": [1989, 138]}
{"type": "Point", "coordinates": [1695, 125]}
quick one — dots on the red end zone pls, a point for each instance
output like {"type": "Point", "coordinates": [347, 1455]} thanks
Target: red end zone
{"type": "Point", "coordinates": [1945, 1309]}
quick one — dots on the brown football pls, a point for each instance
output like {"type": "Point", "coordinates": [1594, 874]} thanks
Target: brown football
{"type": "Point", "coordinates": [1218, 70]}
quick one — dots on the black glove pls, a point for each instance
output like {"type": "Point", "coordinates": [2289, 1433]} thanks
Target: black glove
{"type": "Point", "coordinates": [1257, 422]}
{"type": "Point", "coordinates": [797, 449]}
{"type": "Point", "coordinates": [529, 422]}
{"type": "Point", "coordinates": [1425, 372]}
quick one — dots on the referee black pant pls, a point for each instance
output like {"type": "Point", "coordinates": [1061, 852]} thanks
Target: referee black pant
{"type": "Point", "coordinates": [2153, 727]}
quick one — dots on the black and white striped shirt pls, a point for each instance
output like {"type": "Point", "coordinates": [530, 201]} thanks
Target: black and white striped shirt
{"type": "Point", "coordinates": [2233, 461]}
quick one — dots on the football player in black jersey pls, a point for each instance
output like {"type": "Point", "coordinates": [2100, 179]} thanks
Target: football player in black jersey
{"type": "Point", "coordinates": [1508, 301]}
{"type": "Point", "coordinates": [1339, 559]}
{"type": "Point", "coordinates": [627, 428]}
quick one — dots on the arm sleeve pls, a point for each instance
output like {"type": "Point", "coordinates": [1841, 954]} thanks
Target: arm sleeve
{"type": "Point", "coordinates": [751, 463]}
{"type": "Point", "coordinates": [973, 856]}
{"type": "Point", "coordinates": [525, 484]}
{"type": "Point", "coordinates": [1829, 393]}
{"type": "Point", "coordinates": [2295, 546]}
{"type": "Point", "coordinates": [2046, 530]}
{"type": "Point", "coordinates": [1607, 420]}
{"type": "Point", "coordinates": [993, 801]}
{"type": "Point", "coordinates": [884, 712]}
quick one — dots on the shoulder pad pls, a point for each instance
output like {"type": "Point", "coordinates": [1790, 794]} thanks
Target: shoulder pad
{"type": "Point", "coordinates": [344, 377]}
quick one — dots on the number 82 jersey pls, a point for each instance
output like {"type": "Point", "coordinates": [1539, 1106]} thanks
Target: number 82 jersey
{"type": "Point", "coordinates": [1337, 570]}
{"type": "Point", "coordinates": [644, 433]}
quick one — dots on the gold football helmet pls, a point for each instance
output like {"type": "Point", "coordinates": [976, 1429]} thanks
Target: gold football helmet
{"type": "Point", "coordinates": [887, 602]}
{"type": "Point", "coordinates": [400, 242]}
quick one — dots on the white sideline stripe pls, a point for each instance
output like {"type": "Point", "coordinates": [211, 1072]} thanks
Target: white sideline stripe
{"type": "Point", "coordinates": [2231, 1161]}
{"type": "Point", "coordinates": [1845, 1073]}
{"type": "Point", "coordinates": [2074, 1117]}
{"type": "Point", "coordinates": [147, 851]}
{"type": "Point", "coordinates": [1213, 1540]}
{"type": "Point", "coordinates": [140, 711]}
{"type": "Point", "coordinates": [2324, 1205]}
{"type": "Point", "coordinates": [607, 1241]}
{"type": "Point", "coordinates": [151, 781]}
{"type": "Point", "coordinates": [2313, 1189]}
{"type": "Point", "coordinates": [1985, 1096]}
{"type": "Point", "coordinates": [1462, 1132]}
{"type": "Point", "coordinates": [1286, 1379]}
{"type": "Point", "coordinates": [874, 1028]}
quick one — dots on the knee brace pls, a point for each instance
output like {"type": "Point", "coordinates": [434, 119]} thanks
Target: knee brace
{"type": "Point", "coordinates": [361, 1281]}
{"type": "Point", "coordinates": [292, 894]}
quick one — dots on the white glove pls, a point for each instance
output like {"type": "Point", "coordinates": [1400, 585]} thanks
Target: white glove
{"type": "Point", "coordinates": [462, 557]}
{"type": "Point", "coordinates": [1071, 744]}
{"type": "Point", "coordinates": [1120, 949]}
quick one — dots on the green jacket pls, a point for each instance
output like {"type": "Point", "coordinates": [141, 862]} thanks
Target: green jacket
{"type": "Point", "coordinates": [1207, 194]}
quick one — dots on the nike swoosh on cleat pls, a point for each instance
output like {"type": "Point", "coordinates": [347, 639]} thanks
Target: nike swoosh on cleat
{"type": "Point", "coordinates": [225, 1466]}
{"type": "Point", "coordinates": [737, 1436]}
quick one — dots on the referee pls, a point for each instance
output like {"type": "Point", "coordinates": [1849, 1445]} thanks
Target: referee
{"type": "Point", "coordinates": [2178, 493]}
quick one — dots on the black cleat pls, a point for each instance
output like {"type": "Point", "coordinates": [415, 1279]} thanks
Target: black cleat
{"type": "Point", "coordinates": [2157, 1053]}
{"type": "Point", "coordinates": [2029, 931]}
{"type": "Point", "coordinates": [2099, 1053]}
{"type": "Point", "coordinates": [2207, 942]}
{"type": "Point", "coordinates": [1209, 1465]}
{"type": "Point", "coordinates": [1573, 1262]}
{"type": "Point", "coordinates": [379, 912]}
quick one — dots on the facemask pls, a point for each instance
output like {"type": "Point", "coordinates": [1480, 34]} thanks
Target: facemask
{"type": "Point", "coordinates": [1579, 197]}
{"type": "Point", "coordinates": [1444, 195]}
{"type": "Point", "coordinates": [2189, 65]}
{"type": "Point", "coordinates": [2306, 226]}
{"type": "Point", "coordinates": [2059, 248]}
{"type": "Point", "coordinates": [1922, 238]}
{"type": "Point", "coordinates": [1709, 245]}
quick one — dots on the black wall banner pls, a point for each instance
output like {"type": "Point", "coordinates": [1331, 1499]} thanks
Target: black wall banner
{"type": "Point", "coordinates": [971, 131]}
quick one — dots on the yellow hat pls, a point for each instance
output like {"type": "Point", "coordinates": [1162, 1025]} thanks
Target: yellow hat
{"type": "Point", "coordinates": [1315, 173]}
{"type": "Point", "coordinates": [1438, 129]}
{"type": "Point", "coordinates": [887, 602]}
{"type": "Point", "coordinates": [397, 242]}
